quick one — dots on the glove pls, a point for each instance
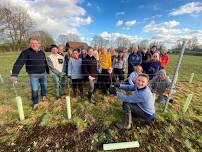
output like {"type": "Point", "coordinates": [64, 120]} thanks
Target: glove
{"type": "Point", "coordinates": [112, 90]}
{"type": "Point", "coordinates": [13, 78]}
{"type": "Point", "coordinates": [117, 85]}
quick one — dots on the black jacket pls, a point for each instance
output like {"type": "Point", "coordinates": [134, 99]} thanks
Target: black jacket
{"type": "Point", "coordinates": [89, 66]}
{"type": "Point", "coordinates": [35, 62]}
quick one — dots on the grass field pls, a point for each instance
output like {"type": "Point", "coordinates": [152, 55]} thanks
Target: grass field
{"type": "Point", "coordinates": [93, 125]}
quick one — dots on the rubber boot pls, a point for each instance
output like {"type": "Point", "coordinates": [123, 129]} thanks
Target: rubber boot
{"type": "Point", "coordinates": [126, 123]}
{"type": "Point", "coordinates": [74, 92]}
{"type": "Point", "coordinates": [81, 92]}
{"type": "Point", "coordinates": [90, 97]}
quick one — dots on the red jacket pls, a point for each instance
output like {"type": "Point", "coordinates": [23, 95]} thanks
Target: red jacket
{"type": "Point", "coordinates": [164, 60]}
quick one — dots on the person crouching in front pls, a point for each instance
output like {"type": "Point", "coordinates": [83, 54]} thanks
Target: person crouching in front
{"type": "Point", "coordinates": [138, 105]}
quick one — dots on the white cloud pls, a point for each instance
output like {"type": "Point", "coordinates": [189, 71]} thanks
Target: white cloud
{"type": "Point", "coordinates": [126, 24]}
{"type": "Point", "coordinates": [152, 26]}
{"type": "Point", "coordinates": [120, 13]}
{"type": "Point", "coordinates": [153, 17]}
{"type": "Point", "coordinates": [167, 32]}
{"type": "Point", "coordinates": [189, 8]}
{"type": "Point", "coordinates": [130, 23]}
{"type": "Point", "coordinates": [77, 21]}
{"type": "Point", "coordinates": [56, 17]}
{"type": "Point", "coordinates": [119, 23]}
{"type": "Point", "coordinates": [114, 36]}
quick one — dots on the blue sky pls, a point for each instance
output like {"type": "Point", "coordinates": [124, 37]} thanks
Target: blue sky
{"type": "Point", "coordinates": [161, 20]}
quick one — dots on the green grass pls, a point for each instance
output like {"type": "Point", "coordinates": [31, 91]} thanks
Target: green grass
{"type": "Point", "coordinates": [171, 131]}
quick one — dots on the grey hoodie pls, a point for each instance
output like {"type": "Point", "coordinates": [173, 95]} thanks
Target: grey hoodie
{"type": "Point", "coordinates": [160, 86]}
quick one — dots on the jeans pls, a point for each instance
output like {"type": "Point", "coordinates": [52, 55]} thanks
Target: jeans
{"type": "Point", "coordinates": [35, 80]}
{"type": "Point", "coordinates": [59, 83]}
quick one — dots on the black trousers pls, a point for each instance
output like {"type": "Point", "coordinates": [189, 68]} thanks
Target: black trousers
{"type": "Point", "coordinates": [105, 80]}
{"type": "Point", "coordinates": [119, 74]}
{"type": "Point", "coordinates": [136, 111]}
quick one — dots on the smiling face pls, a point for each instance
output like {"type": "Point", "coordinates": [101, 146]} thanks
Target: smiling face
{"type": "Point", "coordinates": [90, 52]}
{"type": "Point", "coordinates": [162, 76]}
{"type": "Point", "coordinates": [75, 54]}
{"type": "Point", "coordinates": [138, 69]}
{"type": "Point", "coordinates": [104, 50]}
{"type": "Point", "coordinates": [34, 44]}
{"type": "Point", "coordinates": [54, 50]}
{"type": "Point", "coordinates": [141, 82]}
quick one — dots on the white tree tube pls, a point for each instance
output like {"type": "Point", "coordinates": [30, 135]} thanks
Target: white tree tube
{"type": "Point", "coordinates": [187, 102]}
{"type": "Point", "coordinates": [69, 115]}
{"type": "Point", "coordinates": [1, 79]}
{"type": "Point", "coordinates": [191, 78]}
{"type": "Point", "coordinates": [123, 145]}
{"type": "Point", "coordinates": [20, 108]}
{"type": "Point", "coordinates": [154, 96]}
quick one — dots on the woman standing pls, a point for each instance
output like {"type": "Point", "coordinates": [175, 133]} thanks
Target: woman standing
{"type": "Point", "coordinates": [90, 72]}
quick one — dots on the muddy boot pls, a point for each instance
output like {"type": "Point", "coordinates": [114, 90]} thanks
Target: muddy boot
{"type": "Point", "coordinates": [126, 123]}
{"type": "Point", "coordinates": [90, 97]}
{"type": "Point", "coordinates": [74, 92]}
{"type": "Point", "coordinates": [81, 95]}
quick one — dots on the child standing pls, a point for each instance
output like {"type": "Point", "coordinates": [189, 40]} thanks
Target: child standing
{"type": "Point", "coordinates": [118, 66]}
{"type": "Point", "coordinates": [56, 65]}
{"type": "Point", "coordinates": [74, 72]}
{"type": "Point", "coordinates": [132, 77]}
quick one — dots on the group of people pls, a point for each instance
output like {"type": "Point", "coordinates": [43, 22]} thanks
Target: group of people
{"type": "Point", "coordinates": [99, 68]}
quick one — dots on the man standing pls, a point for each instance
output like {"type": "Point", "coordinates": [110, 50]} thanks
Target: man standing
{"type": "Point", "coordinates": [36, 67]}
{"type": "Point", "coordinates": [134, 59]}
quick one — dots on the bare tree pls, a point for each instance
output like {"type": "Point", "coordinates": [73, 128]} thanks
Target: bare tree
{"type": "Point", "coordinates": [193, 44]}
{"type": "Point", "coordinates": [180, 43]}
{"type": "Point", "coordinates": [158, 44]}
{"type": "Point", "coordinates": [15, 25]}
{"type": "Point", "coordinates": [122, 42]}
{"type": "Point", "coordinates": [100, 41]}
{"type": "Point", "coordinates": [63, 38]}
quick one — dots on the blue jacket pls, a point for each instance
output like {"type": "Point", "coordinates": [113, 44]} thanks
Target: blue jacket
{"type": "Point", "coordinates": [134, 59]}
{"type": "Point", "coordinates": [74, 68]}
{"type": "Point", "coordinates": [142, 97]}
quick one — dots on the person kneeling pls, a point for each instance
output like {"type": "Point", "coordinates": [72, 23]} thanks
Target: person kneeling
{"type": "Point", "coordinates": [161, 85]}
{"type": "Point", "coordinates": [139, 105]}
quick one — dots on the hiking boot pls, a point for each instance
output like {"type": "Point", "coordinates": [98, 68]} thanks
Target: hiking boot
{"type": "Point", "coordinates": [90, 97]}
{"type": "Point", "coordinates": [90, 100]}
{"type": "Point", "coordinates": [171, 101]}
{"type": "Point", "coordinates": [74, 92]}
{"type": "Point", "coordinates": [126, 123]}
{"type": "Point", "coordinates": [35, 107]}
{"type": "Point", "coordinates": [43, 98]}
{"type": "Point", "coordinates": [57, 98]}
{"type": "Point", "coordinates": [81, 95]}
